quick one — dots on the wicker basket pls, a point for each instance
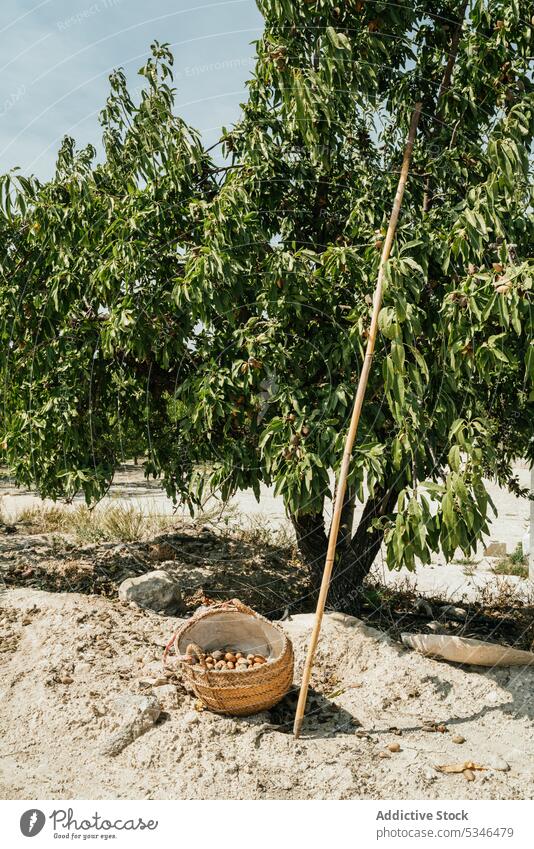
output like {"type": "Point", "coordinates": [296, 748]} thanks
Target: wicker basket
{"type": "Point", "coordinates": [230, 691]}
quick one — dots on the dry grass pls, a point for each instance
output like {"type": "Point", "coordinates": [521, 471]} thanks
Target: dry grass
{"type": "Point", "coordinates": [502, 612]}
{"type": "Point", "coordinates": [256, 531]}
{"type": "Point", "coordinates": [109, 524]}
{"type": "Point", "coordinates": [118, 523]}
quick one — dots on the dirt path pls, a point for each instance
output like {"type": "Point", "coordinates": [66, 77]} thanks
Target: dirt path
{"type": "Point", "coordinates": [74, 665]}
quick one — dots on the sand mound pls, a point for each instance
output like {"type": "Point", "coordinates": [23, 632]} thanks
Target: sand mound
{"type": "Point", "coordinates": [88, 713]}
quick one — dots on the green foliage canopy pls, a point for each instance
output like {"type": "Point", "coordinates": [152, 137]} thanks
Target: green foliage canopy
{"type": "Point", "coordinates": [217, 313]}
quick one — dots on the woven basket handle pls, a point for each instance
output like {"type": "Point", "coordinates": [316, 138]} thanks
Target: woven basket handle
{"type": "Point", "coordinates": [242, 608]}
{"type": "Point", "coordinates": [224, 605]}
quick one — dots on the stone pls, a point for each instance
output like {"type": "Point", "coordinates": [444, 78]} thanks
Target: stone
{"type": "Point", "coordinates": [497, 763]}
{"type": "Point", "coordinates": [190, 718]}
{"type": "Point", "coordinates": [452, 612]}
{"type": "Point", "coordinates": [153, 669]}
{"type": "Point", "coordinates": [345, 619]}
{"type": "Point", "coordinates": [166, 694]}
{"type": "Point", "coordinates": [495, 549]}
{"type": "Point", "coordinates": [139, 713]}
{"type": "Point", "coordinates": [422, 606]}
{"type": "Point", "coordinates": [164, 690]}
{"type": "Point", "coordinates": [436, 627]}
{"type": "Point", "coordinates": [155, 590]}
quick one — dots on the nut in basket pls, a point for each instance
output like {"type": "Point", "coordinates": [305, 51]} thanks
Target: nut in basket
{"type": "Point", "coordinates": [235, 661]}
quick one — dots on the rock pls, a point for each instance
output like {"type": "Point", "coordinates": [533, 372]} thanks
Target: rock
{"type": "Point", "coordinates": [345, 619]}
{"type": "Point", "coordinates": [452, 612]}
{"type": "Point", "coordinates": [494, 762]}
{"type": "Point", "coordinates": [422, 606]}
{"type": "Point", "coordinates": [82, 668]}
{"type": "Point", "coordinates": [232, 768]}
{"type": "Point", "coordinates": [458, 739]}
{"type": "Point", "coordinates": [155, 590]}
{"type": "Point", "coordinates": [495, 549]}
{"type": "Point", "coordinates": [430, 776]}
{"type": "Point", "coordinates": [153, 668]}
{"type": "Point", "coordinates": [139, 713]}
{"type": "Point", "coordinates": [436, 627]}
{"type": "Point", "coordinates": [164, 689]}
{"type": "Point", "coordinates": [166, 694]}
{"type": "Point", "coordinates": [190, 718]}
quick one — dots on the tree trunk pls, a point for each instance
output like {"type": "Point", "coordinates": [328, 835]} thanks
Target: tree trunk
{"type": "Point", "coordinates": [355, 554]}
{"type": "Point", "coordinates": [312, 542]}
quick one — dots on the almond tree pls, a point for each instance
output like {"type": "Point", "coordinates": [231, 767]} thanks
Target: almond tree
{"type": "Point", "coordinates": [213, 305]}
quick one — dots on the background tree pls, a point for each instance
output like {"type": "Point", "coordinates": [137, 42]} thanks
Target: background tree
{"type": "Point", "coordinates": [220, 312]}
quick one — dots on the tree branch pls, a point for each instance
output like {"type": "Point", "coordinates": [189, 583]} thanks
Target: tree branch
{"type": "Point", "coordinates": [444, 87]}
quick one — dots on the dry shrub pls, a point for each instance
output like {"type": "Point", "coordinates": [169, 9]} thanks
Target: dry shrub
{"type": "Point", "coordinates": [105, 524]}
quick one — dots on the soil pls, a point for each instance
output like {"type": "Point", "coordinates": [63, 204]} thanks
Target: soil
{"type": "Point", "coordinates": [210, 566]}
{"type": "Point", "coordinates": [88, 711]}
{"type": "Point", "coordinates": [75, 667]}
{"type": "Point", "coordinates": [461, 580]}
{"type": "Point", "coordinates": [206, 565]}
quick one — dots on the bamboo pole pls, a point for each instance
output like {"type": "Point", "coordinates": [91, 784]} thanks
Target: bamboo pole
{"type": "Point", "coordinates": [353, 428]}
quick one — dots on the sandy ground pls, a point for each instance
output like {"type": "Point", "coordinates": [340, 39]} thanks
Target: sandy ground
{"type": "Point", "coordinates": [73, 666]}
{"type": "Point", "coordinates": [78, 671]}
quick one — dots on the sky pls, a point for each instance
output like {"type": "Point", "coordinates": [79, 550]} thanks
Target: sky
{"type": "Point", "coordinates": [56, 56]}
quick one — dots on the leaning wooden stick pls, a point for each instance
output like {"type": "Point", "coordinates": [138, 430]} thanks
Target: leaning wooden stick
{"type": "Point", "coordinates": [351, 435]}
